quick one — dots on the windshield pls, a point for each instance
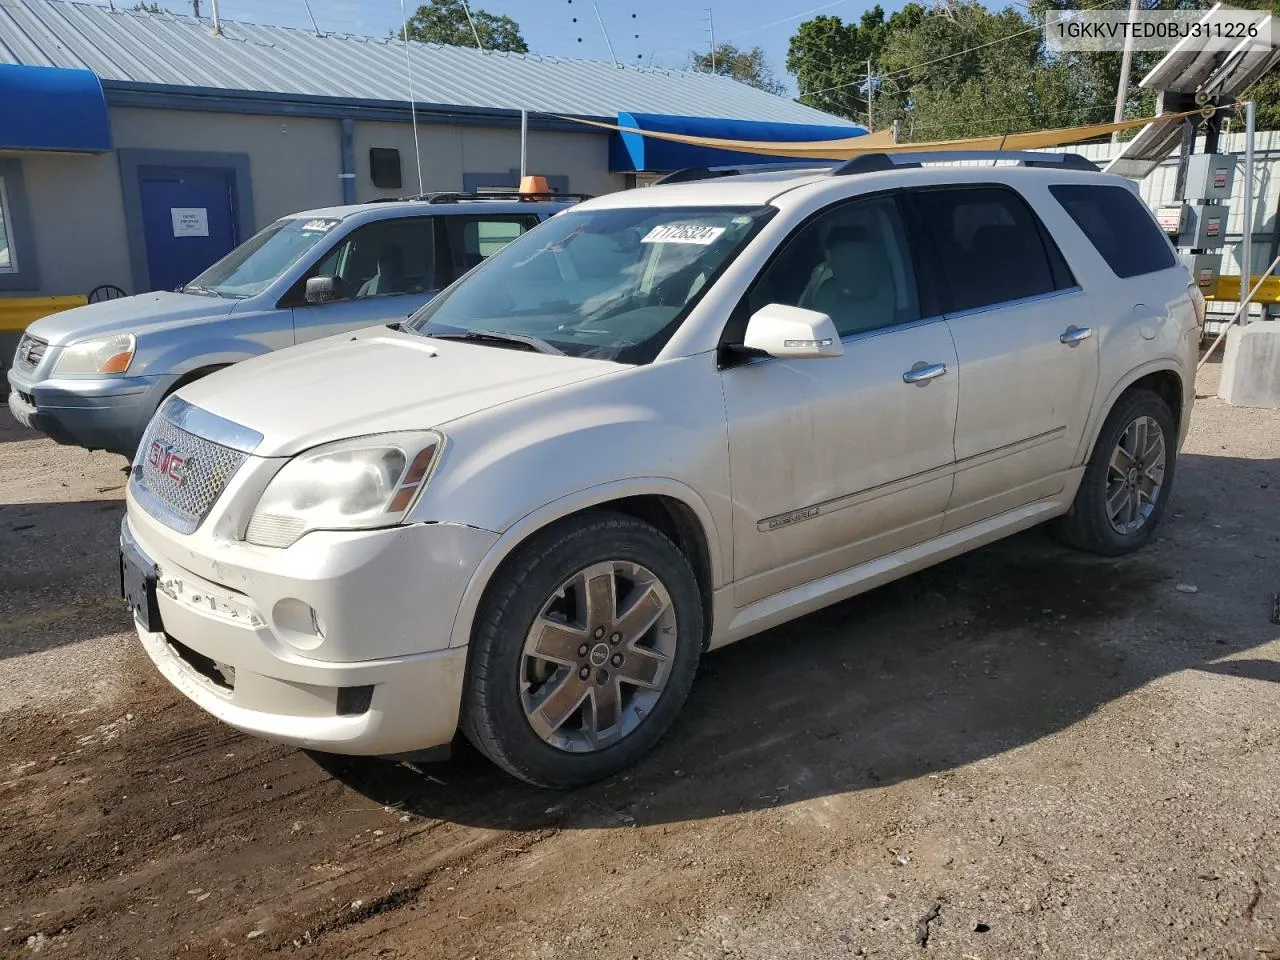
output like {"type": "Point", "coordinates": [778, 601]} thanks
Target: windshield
{"type": "Point", "coordinates": [251, 267]}
{"type": "Point", "coordinates": [608, 284]}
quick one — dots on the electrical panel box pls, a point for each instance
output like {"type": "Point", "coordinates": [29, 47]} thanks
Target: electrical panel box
{"type": "Point", "coordinates": [1172, 218]}
{"type": "Point", "coordinates": [1204, 268]}
{"type": "Point", "coordinates": [1205, 227]}
{"type": "Point", "coordinates": [1210, 176]}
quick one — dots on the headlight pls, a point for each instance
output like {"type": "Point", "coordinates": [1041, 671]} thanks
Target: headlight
{"type": "Point", "coordinates": [349, 485]}
{"type": "Point", "coordinates": [99, 355]}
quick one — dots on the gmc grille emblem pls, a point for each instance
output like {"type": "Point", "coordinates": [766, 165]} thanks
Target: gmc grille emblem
{"type": "Point", "coordinates": [169, 461]}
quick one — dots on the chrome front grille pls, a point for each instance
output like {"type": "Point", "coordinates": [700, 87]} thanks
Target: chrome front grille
{"type": "Point", "coordinates": [31, 351]}
{"type": "Point", "coordinates": [177, 475]}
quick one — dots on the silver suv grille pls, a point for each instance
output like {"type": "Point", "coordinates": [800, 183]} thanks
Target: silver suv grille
{"type": "Point", "coordinates": [177, 475]}
{"type": "Point", "coordinates": [30, 352]}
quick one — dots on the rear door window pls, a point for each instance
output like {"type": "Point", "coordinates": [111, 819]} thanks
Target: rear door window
{"type": "Point", "coordinates": [474, 239]}
{"type": "Point", "coordinates": [1119, 227]}
{"type": "Point", "coordinates": [989, 245]}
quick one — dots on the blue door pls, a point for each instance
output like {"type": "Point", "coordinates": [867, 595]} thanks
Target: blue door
{"type": "Point", "coordinates": [188, 220]}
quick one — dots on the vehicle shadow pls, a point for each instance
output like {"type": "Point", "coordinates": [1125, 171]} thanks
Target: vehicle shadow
{"type": "Point", "coordinates": [59, 579]}
{"type": "Point", "coordinates": [967, 660]}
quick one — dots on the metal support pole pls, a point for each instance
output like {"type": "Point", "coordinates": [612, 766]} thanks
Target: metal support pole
{"type": "Point", "coordinates": [711, 27]}
{"type": "Point", "coordinates": [1184, 158]}
{"type": "Point", "coordinates": [217, 24]}
{"type": "Point", "coordinates": [524, 143]}
{"type": "Point", "coordinates": [871, 125]}
{"type": "Point", "coordinates": [1246, 248]}
{"type": "Point", "coordinates": [1126, 62]}
{"type": "Point", "coordinates": [607, 43]}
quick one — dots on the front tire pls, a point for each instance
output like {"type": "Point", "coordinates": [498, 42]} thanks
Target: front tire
{"type": "Point", "coordinates": [585, 648]}
{"type": "Point", "coordinates": [1127, 480]}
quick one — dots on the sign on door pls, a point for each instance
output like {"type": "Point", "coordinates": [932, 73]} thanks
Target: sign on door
{"type": "Point", "coordinates": [190, 221]}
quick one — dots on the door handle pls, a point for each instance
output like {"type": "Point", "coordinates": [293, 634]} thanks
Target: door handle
{"type": "Point", "coordinates": [1074, 334]}
{"type": "Point", "coordinates": [923, 372]}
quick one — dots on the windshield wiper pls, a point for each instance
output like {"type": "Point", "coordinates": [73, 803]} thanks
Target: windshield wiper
{"type": "Point", "coordinates": [498, 338]}
{"type": "Point", "coordinates": [199, 291]}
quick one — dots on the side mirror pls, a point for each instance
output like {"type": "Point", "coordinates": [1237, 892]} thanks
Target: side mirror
{"type": "Point", "coordinates": [792, 333]}
{"type": "Point", "coordinates": [324, 290]}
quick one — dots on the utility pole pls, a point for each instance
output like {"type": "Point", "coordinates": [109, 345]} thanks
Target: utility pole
{"type": "Point", "coordinates": [871, 94]}
{"type": "Point", "coordinates": [195, 5]}
{"type": "Point", "coordinates": [1126, 61]}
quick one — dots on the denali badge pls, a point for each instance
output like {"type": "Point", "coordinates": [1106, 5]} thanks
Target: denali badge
{"type": "Point", "coordinates": [169, 460]}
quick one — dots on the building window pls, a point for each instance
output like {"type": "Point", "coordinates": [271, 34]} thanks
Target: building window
{"type": "Point", "coordinates": [8, 256]}
{"type": "Point", "coordinates": [18, 267]}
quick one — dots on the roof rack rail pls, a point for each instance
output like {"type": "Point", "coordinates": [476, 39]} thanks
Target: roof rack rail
{"type": "Point", "coordinates": [509, 195]}
{"type": "Point", "coordinates": [872, 162]}
{"type": "Point", "coordinates": [692, 174]}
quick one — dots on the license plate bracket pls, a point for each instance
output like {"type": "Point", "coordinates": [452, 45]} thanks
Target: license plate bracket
{"type": "Point", "coordinates": [138, 587]}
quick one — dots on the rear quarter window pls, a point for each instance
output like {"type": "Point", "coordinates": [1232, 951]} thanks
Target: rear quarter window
{"type": "Point", "coordinates": [1119, 227]}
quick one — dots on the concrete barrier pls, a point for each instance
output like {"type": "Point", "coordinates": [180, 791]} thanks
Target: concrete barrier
{"type": "Point", "coordinates": [1251, 365]}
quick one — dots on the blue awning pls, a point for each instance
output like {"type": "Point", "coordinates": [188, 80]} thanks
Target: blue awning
{"type": "Point", "coordinates": [49, 108]}
{"type": "Point", "coordinates": [631, 152]}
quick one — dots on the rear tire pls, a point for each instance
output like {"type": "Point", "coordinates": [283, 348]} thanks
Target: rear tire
{"type": "Point", "coordinates": [1127, 480]}
{"type": "Point", "coordinates": [584, 650]}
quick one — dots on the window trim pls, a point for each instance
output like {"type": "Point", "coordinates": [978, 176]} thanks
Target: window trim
{"type": "Point", "coordinates": [24, 274]}
{"type": "Point", "coordinates": [925, 300]}
{"type": "Point", "coordinates": [942, 285]}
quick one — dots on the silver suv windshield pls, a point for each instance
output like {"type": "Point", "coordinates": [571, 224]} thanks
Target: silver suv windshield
{"type": "Point", "coordinates": [251, 267]}
{"type": "Point", "coordinates": [611, 284]}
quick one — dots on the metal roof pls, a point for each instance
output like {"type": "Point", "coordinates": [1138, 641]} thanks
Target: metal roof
{"type": "Point", "coordinates": [178, 51]}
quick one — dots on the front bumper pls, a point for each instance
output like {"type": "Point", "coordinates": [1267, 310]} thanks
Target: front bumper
{"type": "Point", "coordinates": [382, 679]}
{"type": "Point", "coordinates": [105, 413]}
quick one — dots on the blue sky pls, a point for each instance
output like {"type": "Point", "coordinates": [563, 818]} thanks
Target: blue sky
{"type": "Point", "coordinates": [667, 29]}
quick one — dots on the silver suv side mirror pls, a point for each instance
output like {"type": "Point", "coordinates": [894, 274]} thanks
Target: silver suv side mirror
{"type": "Point", "coordinates": [324, 290]}
{"type": "Point", "coordinates": [792, 333]}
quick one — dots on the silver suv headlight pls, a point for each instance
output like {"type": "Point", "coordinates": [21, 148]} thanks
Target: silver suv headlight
{"type": "Point", "coordinates": [98, 355]}
{"type": "Point", "coordinates": [354, 484]}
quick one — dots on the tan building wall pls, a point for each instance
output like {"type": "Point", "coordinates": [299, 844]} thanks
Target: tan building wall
{"type": "Point", "coordinates": [77, 219]}
{"type": "Point", "coordinates": [294, 162]}
{"type": "Point", "coordinates": [449, 152]}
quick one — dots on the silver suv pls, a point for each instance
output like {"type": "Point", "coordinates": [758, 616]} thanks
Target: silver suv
{"type": "Point", "coordinates": [93, 376]}
{"type": "Point", "coordinates": [663, 421]}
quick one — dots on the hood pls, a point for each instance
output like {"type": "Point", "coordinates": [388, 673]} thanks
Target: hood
{"type": "Point", "coordinates": [147, 311]}
{"type": "Point", "coordinates": [376, 381]}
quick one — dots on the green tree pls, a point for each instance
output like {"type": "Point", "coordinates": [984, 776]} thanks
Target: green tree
{"type": "Point", "coordinates": [445, 22]}
{"type": "Point", "coordinates": [828, 58]}
{"type": "Point", "coordinates": [746, 66]}
{"type": "Point", "coordinates": [142, 7]}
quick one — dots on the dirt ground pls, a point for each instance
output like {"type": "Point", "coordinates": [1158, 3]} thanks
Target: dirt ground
{"type": "Point", "coordinates": [1024, 752]}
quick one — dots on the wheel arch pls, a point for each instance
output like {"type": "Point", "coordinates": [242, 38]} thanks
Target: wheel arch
{"type": "Point", "coordinates": [670, 506]}
{"type": "Point", "coordinates": [1162, 377]}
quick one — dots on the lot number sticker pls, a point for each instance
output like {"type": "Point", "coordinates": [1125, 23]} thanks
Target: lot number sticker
{"type": "Point", "coordinates": [683, 233]}
{"type": "Point", "coordinates": [190, 221]}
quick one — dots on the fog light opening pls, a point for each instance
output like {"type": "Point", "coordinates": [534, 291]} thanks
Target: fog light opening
{"type": "Point", "coordinates": [354, 701]}
{"type": "Point", "coordinates": [298, 624]}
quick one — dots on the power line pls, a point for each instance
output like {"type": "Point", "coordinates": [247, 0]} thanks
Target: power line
{"type": "Point", "coordinates": [949, 56]}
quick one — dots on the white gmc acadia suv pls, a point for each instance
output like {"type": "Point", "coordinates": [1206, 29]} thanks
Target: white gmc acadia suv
{"type": "Point", "coordinates": [658, 423]}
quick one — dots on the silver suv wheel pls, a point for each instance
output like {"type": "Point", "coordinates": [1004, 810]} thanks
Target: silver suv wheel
{"type": "Point", "coordinates": [1135, 475]}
